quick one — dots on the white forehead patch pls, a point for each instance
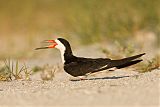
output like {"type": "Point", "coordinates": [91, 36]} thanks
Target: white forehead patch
{"type": "Point", "coordinates": [61, 47]}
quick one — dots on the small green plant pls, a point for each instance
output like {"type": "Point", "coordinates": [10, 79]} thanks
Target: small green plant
{"type": "Point", "coordinates": [12, 70]}
{"type": "Point", "coordinates": [150, 65]}
{"type": "Point", "coordinates": [36, 69]}
{"type": "Point", "coordinates": [123, 50]}
{"type": "Point", "coordinates": [110, 54]}
{"type": "Point", "coordinates": [48, 72]}
{"type": "Point", "coordinates": [27, 72]}
{"type": "Point", "coordinates": [4, 74]}
{"type": "Point", "coordinates": [126, 49]}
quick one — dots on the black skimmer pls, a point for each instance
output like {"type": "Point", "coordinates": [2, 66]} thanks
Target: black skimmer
{"type": "Point", "coordinates": [79, 66]}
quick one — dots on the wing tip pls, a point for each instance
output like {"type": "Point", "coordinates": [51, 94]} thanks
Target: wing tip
{"type": "Point", "coordinates": [142, 54]}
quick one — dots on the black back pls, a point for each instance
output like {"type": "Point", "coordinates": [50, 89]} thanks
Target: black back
{"type": "Point", "coordinates": [81, 66]}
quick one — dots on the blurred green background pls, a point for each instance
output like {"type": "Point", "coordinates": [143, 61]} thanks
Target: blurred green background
{"type": "Point", "coordinates": [24, 23]}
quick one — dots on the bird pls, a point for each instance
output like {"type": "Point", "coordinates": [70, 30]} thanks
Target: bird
{"type": "Point", "coordinates": [80, 66]}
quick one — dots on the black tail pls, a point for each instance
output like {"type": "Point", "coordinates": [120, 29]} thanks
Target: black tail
{"type": "Point", "coordinates": [125, 62]}
{"type": "Point", "coordinates": [122, 63]}
{"type": "Point", "coordinates": [128, 64]}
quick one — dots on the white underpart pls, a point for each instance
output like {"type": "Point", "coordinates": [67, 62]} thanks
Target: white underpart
{"type": "Point", "coordinates": [103, 67]}
{"type": "Point", "coordinates": [62, 49]}
{"type": "Point", "coordinates": [110, 69]}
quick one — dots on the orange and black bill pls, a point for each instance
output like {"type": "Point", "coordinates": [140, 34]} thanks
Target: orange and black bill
{"type": "Point", "coordinates": [53, 44]}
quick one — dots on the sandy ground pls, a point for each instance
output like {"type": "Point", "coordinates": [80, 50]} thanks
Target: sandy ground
{"type": "Point", "coordinates": [119, 88]}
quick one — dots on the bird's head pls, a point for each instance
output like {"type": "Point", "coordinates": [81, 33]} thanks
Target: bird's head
{"type": "Point", "coordinates": [59, 43]}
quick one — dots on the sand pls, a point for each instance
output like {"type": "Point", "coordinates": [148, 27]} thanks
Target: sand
{"type": "Point", "coordinates": [119, 88]}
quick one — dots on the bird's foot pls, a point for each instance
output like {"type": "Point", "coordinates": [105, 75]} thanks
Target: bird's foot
{"type": "Point", "coordinates": [113, 69]}
{"type": "Point", "coordinates": [81, 78]}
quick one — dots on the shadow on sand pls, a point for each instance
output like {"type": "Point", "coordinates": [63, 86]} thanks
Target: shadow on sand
{"type": "Point", "coordinates": [103, 78]}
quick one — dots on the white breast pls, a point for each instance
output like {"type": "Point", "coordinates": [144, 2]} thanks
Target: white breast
{"type": "Point", "coordinates": [62, 49]}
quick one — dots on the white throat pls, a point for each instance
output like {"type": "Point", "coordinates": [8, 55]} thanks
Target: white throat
{"type": "Point", "coordinates": [62, 49]}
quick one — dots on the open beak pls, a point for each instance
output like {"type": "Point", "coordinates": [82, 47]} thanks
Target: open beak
{"type": "Point", "coordinates": [52, 42]}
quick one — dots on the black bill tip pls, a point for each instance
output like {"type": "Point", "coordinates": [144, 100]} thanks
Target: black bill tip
{"type": "Point", "coordinates": [41, 48]}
